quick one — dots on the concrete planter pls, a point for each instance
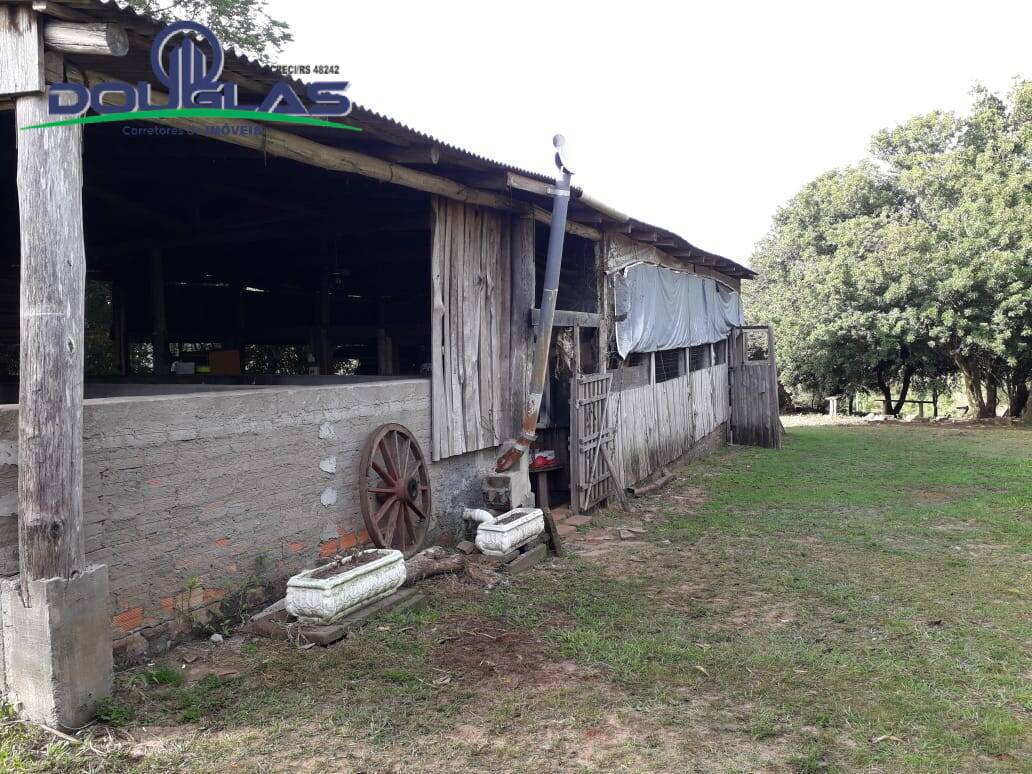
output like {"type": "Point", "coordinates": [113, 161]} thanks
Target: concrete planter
{"type": "Point", "coordinates": [325, 600]}
{"type": "Point", "coordinates": [510, 531]}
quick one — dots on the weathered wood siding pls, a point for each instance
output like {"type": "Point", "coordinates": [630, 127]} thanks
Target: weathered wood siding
{"type": "Point", "coordinates": [657, 423]}
{"type": "Point", "coordinates": [755, 420]}
{"type": "Point", "coordinates": [471, 276]}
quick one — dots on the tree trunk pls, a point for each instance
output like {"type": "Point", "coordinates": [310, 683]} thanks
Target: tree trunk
{"type": "Point", "coordinates": [886, 391]}
{"type": "Point", "coordinates": [1019, 392]}
{"type": "Point", "coordinates": [908, 374]}
{"type": "Point", "coordinates": [433, 561]}
{"type": "Point", "coordinates": [992, 397]}
{"type": "Point", "coordinates": [972, 387]}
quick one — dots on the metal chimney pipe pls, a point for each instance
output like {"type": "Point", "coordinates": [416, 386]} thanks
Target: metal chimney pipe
{"type": "Point", "coordinates": [549, 293]}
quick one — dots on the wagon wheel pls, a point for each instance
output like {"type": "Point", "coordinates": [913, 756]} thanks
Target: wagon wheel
{"type": "Point", "coordinates": [394, 487]}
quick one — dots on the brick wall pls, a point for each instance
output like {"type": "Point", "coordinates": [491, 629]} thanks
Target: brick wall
{"type": "Point", "coordinates": [187, 498]}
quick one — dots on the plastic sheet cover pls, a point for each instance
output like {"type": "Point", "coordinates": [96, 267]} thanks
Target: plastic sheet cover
{"type": "Point", "coordinates": [658, 309]}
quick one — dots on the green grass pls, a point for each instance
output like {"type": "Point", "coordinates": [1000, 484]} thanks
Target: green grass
{"type": "Point", "coordinates": [859, 600]}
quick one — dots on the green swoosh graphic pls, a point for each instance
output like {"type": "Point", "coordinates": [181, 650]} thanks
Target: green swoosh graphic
{"type": "Point", "coordinates": [144, 115]}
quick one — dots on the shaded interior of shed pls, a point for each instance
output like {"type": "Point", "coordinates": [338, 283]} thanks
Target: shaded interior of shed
{"type": "Point", "coordinates": [268, 271]}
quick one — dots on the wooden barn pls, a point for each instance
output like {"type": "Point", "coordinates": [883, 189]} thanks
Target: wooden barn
{"type": "Point", "coordinates": [205, 325]}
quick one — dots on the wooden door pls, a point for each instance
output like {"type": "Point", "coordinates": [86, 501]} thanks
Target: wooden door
{"type": "Point", "coordinates": [592, 440]}
{"type": "Point", "coordinates": [754, 387]}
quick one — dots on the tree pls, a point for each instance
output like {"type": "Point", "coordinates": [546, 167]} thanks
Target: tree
{"type": "Point", "coordinates": [839, 281]}
{"type": "Point", "coordinates": [913, 264]}
{"type": "Point", "coordinates": [969, 181]}
{"type": "Point", "coordinates": [242, 23]}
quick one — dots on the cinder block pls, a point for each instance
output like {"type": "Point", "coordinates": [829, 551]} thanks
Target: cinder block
{"type": "Point", "coordinates": [505, 491]}
{"type": "Point", "coordinates": [57, 653]}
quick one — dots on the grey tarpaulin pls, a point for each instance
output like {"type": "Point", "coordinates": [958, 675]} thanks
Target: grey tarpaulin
{"type": "Point", "coordinates": [658, 308]}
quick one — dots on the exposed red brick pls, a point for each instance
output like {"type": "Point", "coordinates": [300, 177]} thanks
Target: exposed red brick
{"type": "Point", "coordinates": [348, 540]}
{"type": "Point", "coordinates": [297, 547]}
{"type": "Point", "coordinates": [128, 620]}
{"type": "Point", "coordinates": [212, 595]}
{"type": "Point", "coordinates": [222, 542]}
{"type": "Point", "coordinates": [328, 548]}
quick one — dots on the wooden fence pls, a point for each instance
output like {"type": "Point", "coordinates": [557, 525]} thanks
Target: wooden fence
{"type": "Point", "coordinates": [657, 423]}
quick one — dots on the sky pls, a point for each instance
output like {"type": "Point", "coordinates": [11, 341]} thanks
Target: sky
{"type": "Point", "coordinates": [701, 118]}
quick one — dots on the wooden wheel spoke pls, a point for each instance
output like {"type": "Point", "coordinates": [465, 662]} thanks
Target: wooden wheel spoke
{"type": "Point", "coordinates": [408, 455]}
{"type": "Point", "coordinates": [389, 479]}
{"type": "Point", "coordinates": [416, 510]}
{"type": "Point", "coordinates": [392, 525]}
{"type": "Point", "coordinates": [382, 511]}
{"type": "Point", "coordinates": [392, 464]}
{"type": "Point", "coordinates": [404, 528]}
{"type": "Point", "coordinates": [381, 490]}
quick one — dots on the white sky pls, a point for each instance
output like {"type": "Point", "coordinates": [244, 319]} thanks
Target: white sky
{"type": "Point", "coordinates": [702, 118]}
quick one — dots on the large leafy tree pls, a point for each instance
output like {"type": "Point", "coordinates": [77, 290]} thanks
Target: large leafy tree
{"type": "Point", "coordinates": [969, 180]}
{"type": "Point", "coordinates": [242, 23]}
{"type": "Point", "coordinates": [839, 281]}
{"type": "Point", "coordinates": [912, 264]}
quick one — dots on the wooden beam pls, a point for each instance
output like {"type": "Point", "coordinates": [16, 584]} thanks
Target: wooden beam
{"type": "Point", "coordinates": [650, 237]}
{"type": "Point", "coordinates": [53, 282]}
{"type": "Point", "coordinates": [96, 39]}
{"type": "Point", "coordinates": [21, 51]}
{"type": "Point", "coordinates": [567, 319]}
{"type": "Point", "coordinates": [577, 229]}
{"type": "Point", "coordinates": [528, 184]}
{"type": "Point", "coordinates": [427, 155]}
{"type": "Point", "coordinates": [521, 341]}
{"type": "Point", "coordinates": [276, 142]}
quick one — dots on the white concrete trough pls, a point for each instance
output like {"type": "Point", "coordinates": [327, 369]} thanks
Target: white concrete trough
{"type": "Point", "coordinates": [510, 531]}
{"type": "Point", "coordinates": [328, 593]}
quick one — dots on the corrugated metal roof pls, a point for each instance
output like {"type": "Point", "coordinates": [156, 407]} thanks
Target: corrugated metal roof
{"type": "Point", "coordinates": [242, 63]}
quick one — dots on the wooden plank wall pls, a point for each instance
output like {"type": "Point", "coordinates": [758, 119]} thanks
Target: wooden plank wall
{"type": "Point", "coordinates": [754, 395]}
{"type": "Point", "coordinates": [660, 422]}
{"type": "Point", "coordinates": [470, 327]}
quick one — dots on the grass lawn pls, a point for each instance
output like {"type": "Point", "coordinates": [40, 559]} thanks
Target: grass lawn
{"type": "Point", "coordinates": [861, 600]}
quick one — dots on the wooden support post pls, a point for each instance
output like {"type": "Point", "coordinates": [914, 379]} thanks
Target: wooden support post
{"type": "Point", "coordinates": [56, 633]}
{"type": "Point", "coordinates": [520, 333]}
{"type": "Point", "coordinates": [21, 51]}
{"type": "Point", "coordinates": [119, 333]}
{"type": "Point", "coordinates": [159, 329]}
{"type": "Point", "coordinates": [324, 354]}
{"type": "Point", "coordinates": [53, 281]}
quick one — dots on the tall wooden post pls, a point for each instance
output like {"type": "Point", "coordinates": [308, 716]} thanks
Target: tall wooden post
{"type": "Point", "coordinates": [53, 275]}
{"type": "Point", "coordinates": [56, 633]}
{"type": "Point", "coordinates": [159, 325]}
{"type": "Point", "coordinates": [521, 343]}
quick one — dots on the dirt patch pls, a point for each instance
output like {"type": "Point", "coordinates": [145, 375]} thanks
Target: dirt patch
{"type": "Point", "coordinates": [937, 495]}
{"type": "Point", "coordinates": [493, 651]}
{"type": "Point", "coordinates": [690, 497]}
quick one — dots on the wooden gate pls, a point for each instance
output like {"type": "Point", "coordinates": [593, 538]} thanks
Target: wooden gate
{"type": "Point", "coordinates": [592, 441]}
{"type": "Point", "coordinates": [754, 387]}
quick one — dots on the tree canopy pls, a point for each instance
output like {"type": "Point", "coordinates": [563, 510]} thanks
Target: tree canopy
{"type": "Point", "coordinates": [912, 264]}
{"type": "Point", "coordinates": [242, 23]}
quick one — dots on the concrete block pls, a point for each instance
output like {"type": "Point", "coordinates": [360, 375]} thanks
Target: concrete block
{"type": "Point", "coordinates": [505, 491]}
{"type": "Point", "coordinates": [57, 653]}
